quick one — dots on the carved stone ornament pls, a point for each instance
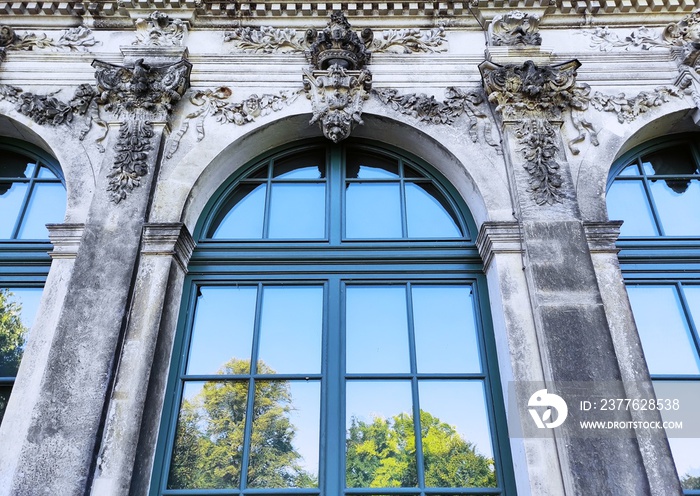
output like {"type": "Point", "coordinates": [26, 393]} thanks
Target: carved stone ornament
{"type": "Point", "coordinates": [160, 30]}
{"type": "Point", "coordinates": [267, 39]}
{"type": "Point", "coordinates": [515, 29]}
{"type": "Point", "coordinates": [338, 45]}
{"type": "Point", "coordinates": [539, 149]}
{"type": "Point", "coordinates": [214, 103]}
{"type": "Point", "coordinates": [527, 89]}
{"type": "Point", "coordinates": [337, 96]}
{"type": "Point", "coordinates": [457, 102]}
{"type": "Point", "coordinates": [77, 39]}
{"type": "Point", "coordinates": [138, 95]}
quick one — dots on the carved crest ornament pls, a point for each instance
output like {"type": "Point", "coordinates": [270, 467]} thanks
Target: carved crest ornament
{"type": "Point", "coordinates": [338, 84]}
{"type": "Point", "coordinates": [515, 29]}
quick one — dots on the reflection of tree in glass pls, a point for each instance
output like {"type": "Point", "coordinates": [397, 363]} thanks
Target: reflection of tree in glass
{"type": "Point", "coordinates": [12, 335]}
{"type": "Point", "coordinates": [690, 482]}
{"type": "Point", "coordinates": [382, 454]}
{"type": "Point", "coordinates": [208, 448]}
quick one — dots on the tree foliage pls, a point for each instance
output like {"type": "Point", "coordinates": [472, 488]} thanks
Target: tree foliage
{"type": "Point", "coordinates": [210, 434]}
{"type": "Point", "coordinates": [12, 337]}
{"type": "Point", "coordinates": [383, 454]}
{"type": "Point", "coordinates": [690, 482]}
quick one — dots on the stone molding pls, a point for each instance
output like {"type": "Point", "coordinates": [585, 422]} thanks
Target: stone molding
{"type": "Point", "coordinates": [168, 239]}
{"type": "Point", "coordinates": [498, 237]}
{"type": "Point", "coordinates": [65, 239]}
{"type": "Point", "coordinates": [515, 29]}
{"type": "Point", "coordinates": [602, 236]}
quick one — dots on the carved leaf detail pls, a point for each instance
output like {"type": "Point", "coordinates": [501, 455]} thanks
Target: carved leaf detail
{"type": "Point", "coordinates": [539, 149]}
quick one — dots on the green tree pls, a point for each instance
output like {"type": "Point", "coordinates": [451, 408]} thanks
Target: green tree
{"type": "Point", "coordinates": [208, 450]}
{"type": "Point", "coordinates": [690, 482]}
{"type": "Point", "coordinates": [383, 454]}
{"type": "Point", "coordinates": [12, 337]}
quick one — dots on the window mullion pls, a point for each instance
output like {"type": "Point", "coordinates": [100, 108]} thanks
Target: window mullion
{"type": "Point", "coordinates": [335, 196]}
{"type": "Point", "coordinates": [331, 472]}
{"type": "Point", "coordinates": [650, 198]}
{"type": "Point", "coordinates": [692, 325]}
{"type": "Point", "coordinates": [414, 388]}
{"type": "Point", "coordinates": [23, 209]}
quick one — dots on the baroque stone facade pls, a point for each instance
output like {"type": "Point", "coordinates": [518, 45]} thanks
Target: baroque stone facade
{"type": "Point", "coordinates": [151, 109]}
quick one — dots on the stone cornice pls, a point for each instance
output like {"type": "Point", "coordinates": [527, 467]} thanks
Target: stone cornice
{"type": "Point", "coordinates": [65, 239]}
{"type": "Point", "coordinates": [601, 236]}
{"type": "Point", "coordinates": [168, 239]}
{"type": "Point", "coordinates": [498, 237]}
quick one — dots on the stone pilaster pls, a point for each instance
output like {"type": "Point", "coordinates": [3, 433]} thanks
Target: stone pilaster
{"type": "Point", "coordinates": [573, 333]}
{"type": "Point", "coordinates": [65, 424]}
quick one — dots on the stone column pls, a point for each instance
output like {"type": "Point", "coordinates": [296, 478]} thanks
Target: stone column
{"type": "Point", "coordinates": [573, 334]}
{"type": "Point", "coordinates": [165, 253]}
{"type": "Point", "coordinates": [64, 427]}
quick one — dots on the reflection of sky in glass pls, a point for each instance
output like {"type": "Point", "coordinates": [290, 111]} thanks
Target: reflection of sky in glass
{"type": "Point", "coordinates": [29, 299]}
{"type": "Point", "coordinates": [297, 211]}
{"type": "Point", "coordinates": [44, 173]}
{"type": "Point", "coordinates": [10, 205]}
{"type": "Point", "coordinates": [373, 211]}
{"type": "Point", "coordinates": [674, 208]}
{"type": "Point", "coordinates": [384, 171]}
{"type": "Point", "coordinates": [245, 219]}
{"type": "Point", "coordinates": [627, 201]}
{"type": "Point", "coordinates": [692, 296]}
{"type": "Point", "coordinates": [426, 217]}
{"type": "Point", "coordinates": [445, 330]}
{"type": "Point", "coordinates": [367, 400]}
{"type": "Point", "coordinates": [462, 405]}
{"type": "Point", "coordinates": [47, 205]}
{"type": "Point", "coordinates": [290, 329]}
{"type": "Point", "coordinates": [376, 329]}
{"type": "Point", "coordinates": [663, 330]}
{"type": "Point", "coordinates": [223, 327]}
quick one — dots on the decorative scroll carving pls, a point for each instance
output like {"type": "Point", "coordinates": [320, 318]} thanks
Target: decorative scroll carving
{"type": "Point", "coordinates": [267, 39]}
{"type": "Point", "coordinates": [338, 45]}
{"type": "Point", "coordinates": [140, 94]}
{"type": "Point", "coordinates": [457, 102]}
{"type": "Point", "coordinates": [515, 29]}
{"type": "Point", "coordinates": [628, 109]}
{"type": "Point", "coordinates": [606, 40]}
{"type": "Point", "coordinates": [539, 150]}
{"type": "Point", "coordinates": [336, 98]}
{"type": "Point", "coordinates": [160, 30]}
{"type": "Point", "coordinates": [213, 103]}
{"type": "Point", "coordinates": [74, 39]}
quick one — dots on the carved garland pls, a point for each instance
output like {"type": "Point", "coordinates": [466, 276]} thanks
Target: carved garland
{"type": "Point", "coordinates": [539, 150]}
{"type": "Point", "coordinates": [74, 39]}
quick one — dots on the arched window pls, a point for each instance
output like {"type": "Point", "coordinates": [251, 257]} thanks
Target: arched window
{"type": "Point", "coordinates": [655, 190]}
{"type": "Point", "coordinates": [334, 337]}
{"type": "Point", "coordinates": [31, 195]}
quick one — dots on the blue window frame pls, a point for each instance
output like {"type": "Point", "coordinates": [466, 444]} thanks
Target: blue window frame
{"type": "Point", "coordinates": [321, 354]}
{"type": "Point", "coordinates": [32, 195]}
{"type": "Point", "coordinates": [655, 190]}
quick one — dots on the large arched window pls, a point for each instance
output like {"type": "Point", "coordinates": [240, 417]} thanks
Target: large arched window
{"type": "Point", "coordinates": [655, 190]}
{"type": "Point", "coordinates": [334, 337]}
{"type": "Point", "coordinates": [31, 195]}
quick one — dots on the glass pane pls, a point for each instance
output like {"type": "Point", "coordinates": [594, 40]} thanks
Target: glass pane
{"type": "Point", "coordinates": [290, 330]}
{"type": "Point", "coordinates": [209, 437]}
{"type": "Point", "coordinates": [298, 211]}
{"type": "Point", "coordinates": [410, 172]}
{"type": "Point", "coordinates": [18, 307]}
{"type": "Point", "coordinates": [222, 333]}
{"type": "Point", "coordinates": [428, 214]}
{"type": "Point", "coordinates": [380, 439]}
{"type": "Point", "coordinates": [376, 330]}
{"type": "Point", "coordinates": [308, 165]}
{"type": "Point", "coordinates": [685, 455]}
{"type": "Point", "coordinates": [692, 296]}
{"type": "Point", "coordinates": [47, 205]}
{"type": "Point", "coordinates": [285, 438]}
{"type": "Point", "coordinates": [373, 211]}
{"type": "Point", "coordinates": [11, 197]}
{"type": "Point", "coordinates": [14, 165]}
{"type": "Point", "coordinates": [674, 160]}
{"type": "Point", "coordinates": [362, 165]}
{"type": "Point", "coordinates": [445, 329]}
{"type": "Point", "coordinates": [241, 217]}
{"type": "Point", "coordinates": [4, 398]}
{"type": "Point", "coordinates": [630, 170]}
{"type": "Point", "coordinates": [678, 204]}
{"type": "Point", "coordinates": [456, 437]}
{"type": "Point", "coordinates": [45, 173]}
{"type": "Point", "coordinates": [627, 201]}
{"type": "Point", "coordinates": [663, 330]}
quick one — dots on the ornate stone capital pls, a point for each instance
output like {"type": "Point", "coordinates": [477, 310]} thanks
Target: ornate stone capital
{"type": "Point", "coordinates": [339, 45]}
{"type": "Point", "coordinates": [515, 29]}
{"type": "Point", "coordinates": [337, 96]}
{"type": "Point", "coordinates": [529, 90]}
{"type": "Point", "coordinates": [138, 96]}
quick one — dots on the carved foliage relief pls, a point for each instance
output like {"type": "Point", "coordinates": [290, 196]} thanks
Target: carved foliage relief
{"type": "Point", "coordinates": [158, 29]}
{"type": "Point", "coordinates": [72, 40]}
{"type": "Point", "coordinates": [515, 29]}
